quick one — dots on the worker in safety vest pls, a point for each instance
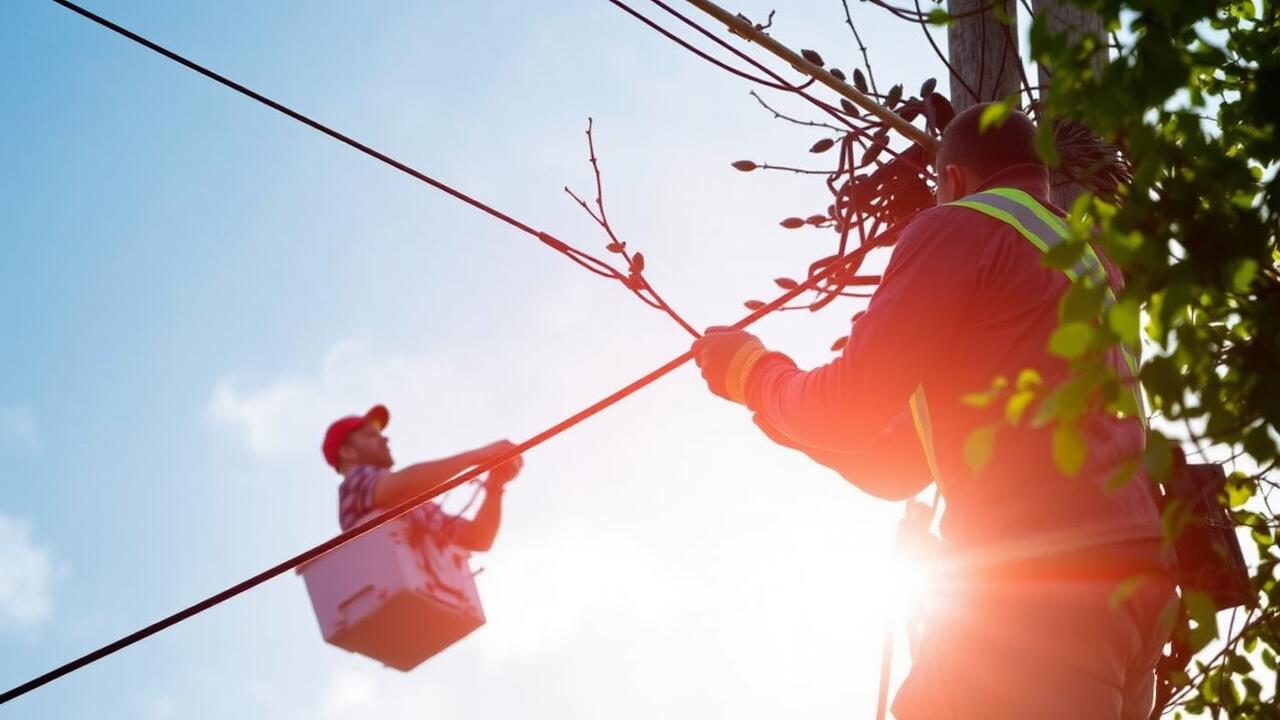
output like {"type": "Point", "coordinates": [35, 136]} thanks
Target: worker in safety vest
{"type": "Point", "coordinates": [1026, 621]}
{"type": "Point", "coordinates": [357, 449]}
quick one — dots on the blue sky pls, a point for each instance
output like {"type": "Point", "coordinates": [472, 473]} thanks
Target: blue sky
{"type": "Point", "coordinates": [193, 286]}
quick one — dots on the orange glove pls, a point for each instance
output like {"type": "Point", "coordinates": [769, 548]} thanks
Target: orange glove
{"type": "Point", "coordinates": [504, 473]}
{"type": "Point", "coordinates": [727, 357]}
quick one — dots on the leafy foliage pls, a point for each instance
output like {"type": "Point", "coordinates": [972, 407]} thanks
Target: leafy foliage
{"type": "Point", "coordinates": [1192, 95]}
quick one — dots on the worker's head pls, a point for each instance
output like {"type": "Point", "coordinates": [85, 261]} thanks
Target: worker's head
{"type": "Point", "coordinates": [358, 440]}
{"type": "Point", "coordinates": [969, 155]}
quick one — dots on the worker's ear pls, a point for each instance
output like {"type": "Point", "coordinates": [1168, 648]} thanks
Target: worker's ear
{"type": "Point", "coordinates": [957, 182]}
{"type": "Point", "coordinates": [346, 454]}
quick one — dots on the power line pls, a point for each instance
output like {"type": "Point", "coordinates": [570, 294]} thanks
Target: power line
{"type": "Point", "coordinates": [775, 80]}
{"type": "Point", "coordinates": [853, 257]}
{"type": "Point", "coordinates": [850, 259]}
{"type": "Point", "coordinates": [586, 260]}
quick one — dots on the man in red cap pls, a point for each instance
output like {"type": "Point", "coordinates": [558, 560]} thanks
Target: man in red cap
{"type": "Point", "coordinates": [357, 449]}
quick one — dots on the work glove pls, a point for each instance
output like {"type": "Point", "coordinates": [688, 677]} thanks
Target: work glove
{"type": "Point", "coordinates": [504, 473]}
{"type": "Point", "coordinates": [507, 471]}
{"type": "Point", "coordinates": [726, 357]}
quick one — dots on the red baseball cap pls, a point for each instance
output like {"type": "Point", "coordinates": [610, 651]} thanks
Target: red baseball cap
{"type": "Point", "coordinates": [342, 427]}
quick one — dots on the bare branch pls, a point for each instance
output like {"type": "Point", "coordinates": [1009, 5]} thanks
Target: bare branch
{"type": "Point", "coordinates": [633, 279]}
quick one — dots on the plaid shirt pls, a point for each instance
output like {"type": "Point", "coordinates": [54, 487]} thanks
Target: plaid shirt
{"type": "Point", "coordinates": [355, 501]}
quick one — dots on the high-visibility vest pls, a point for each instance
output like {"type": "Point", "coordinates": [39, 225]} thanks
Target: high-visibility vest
{"type": "Point", "coordinates": [1045, 231]}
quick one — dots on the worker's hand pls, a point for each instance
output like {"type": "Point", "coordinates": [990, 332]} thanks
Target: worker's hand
{"type": "Point", "coordinates": [726, 357]}
{"type": "Point", "coordinates": [505, 473]}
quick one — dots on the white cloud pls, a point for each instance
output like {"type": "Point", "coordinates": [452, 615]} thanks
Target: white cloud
{"type": "Point", "coordinates": [158, 707]}
{"type": "Point", "coordinates": [18, 428]}
{"type": "Point", "coordinates": [360, 693]}
{"type": "Point", "coordinates": [26, 577]}
{"type": "Point", "coordinates": [286, 417]}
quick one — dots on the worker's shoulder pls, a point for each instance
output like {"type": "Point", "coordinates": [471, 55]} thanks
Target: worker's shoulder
{"type": "Point", "coordinates": [954, 225]}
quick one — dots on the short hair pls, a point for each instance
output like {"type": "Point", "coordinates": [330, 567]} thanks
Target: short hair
{"type": "Point", "coordinates": [987, 152]}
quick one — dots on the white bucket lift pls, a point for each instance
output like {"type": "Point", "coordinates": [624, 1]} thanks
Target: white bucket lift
{"type": "Point", "coordinates": [394, 595]}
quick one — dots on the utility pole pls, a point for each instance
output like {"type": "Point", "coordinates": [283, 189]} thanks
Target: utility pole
{"type": "Point", "coordinates": [982, 48]}
{"type": "Point", "coordinates": [1077, 22]}
{"type": "Point", "coordinates": [983, 51]}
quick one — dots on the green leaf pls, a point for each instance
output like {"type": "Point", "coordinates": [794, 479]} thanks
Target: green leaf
{"type": "Point", "coordinates": [1242, 276]}
{"type": "Point", "coordinates": [1203, 613]}
{"type": "Point", "coordinates": [1122, 318]}
{"type": "Point", "coordinates": [1068, 449]}
{"type": "Point", "coordinates": [1238, 491]}
{"type": "Point", "coordinates": [1127, 588]}
{"type": "Point", "coordinates": [1258, 443]}
{"type": "Point", "coordinates": [1122, 475]}
{"type": "Point", "coordinates": [979, 446]}
{"type": "Point", "coordinates": [1158, 457]}
{"type": "Point", "coordinates": [1071, 339]}
{"type": "Point", "coordinates": [988, 396]}
{"type": "Point", "coordinates": [1029, 379]}
{"type": "Point", "coordinates": [1162, 380]}
{"type": "Point", "coordinates": [1082, 303]}
{"type": "Point", "coordinates": [997, 112]}
{"type": "Point", "coordinates": [1017, 405]}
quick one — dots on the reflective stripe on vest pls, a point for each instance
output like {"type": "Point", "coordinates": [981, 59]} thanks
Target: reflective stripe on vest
{"type": "Point", "coordinates": [924, 429]}
{"type": "Point", "coordinates": [1045, 231]}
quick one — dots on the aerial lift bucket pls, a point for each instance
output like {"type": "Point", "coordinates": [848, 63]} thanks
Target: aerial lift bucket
{"type": "Point", "coordinates": [394, 594]}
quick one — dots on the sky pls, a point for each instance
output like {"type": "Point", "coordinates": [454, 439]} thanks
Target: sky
{"type": "Point", "coordinates": [195, 286]}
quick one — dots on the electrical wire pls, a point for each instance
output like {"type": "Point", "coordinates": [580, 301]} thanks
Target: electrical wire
{"type": "Point", "coordinates": [846, 262]}
{"type": "Point", "coordinates": [587, 261]}
{"type": "Point", "coordinates": [852, 258]}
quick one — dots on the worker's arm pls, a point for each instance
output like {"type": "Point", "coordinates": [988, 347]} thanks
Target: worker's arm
{"type": "Point", "coordinates": [478, 533]}
{"type": "Point", "coordinates": [892, 467]}
{"type": "Point", "coordinates": [910, 324]}
{"type": "Point", "coordinates": [414, 480]}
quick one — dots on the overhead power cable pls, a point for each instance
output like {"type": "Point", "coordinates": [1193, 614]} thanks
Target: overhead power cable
{"type": "Point", "coordinates": [586, 260]}
{"type": "Point", "coordinates": [774, 80]}
{"type": "Point", "coordinates": [842, 264]}
{"type": "Point", "coordinates": [850, 259]}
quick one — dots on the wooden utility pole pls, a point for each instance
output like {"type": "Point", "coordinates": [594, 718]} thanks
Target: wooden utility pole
{"type": "Point", "coordinates": [1077, 22]}
{"type": "Point", "coordinates": [983, 51]}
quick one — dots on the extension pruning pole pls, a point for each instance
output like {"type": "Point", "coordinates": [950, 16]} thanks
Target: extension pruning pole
{"type": "Point", "coordinates": [739, 25]}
